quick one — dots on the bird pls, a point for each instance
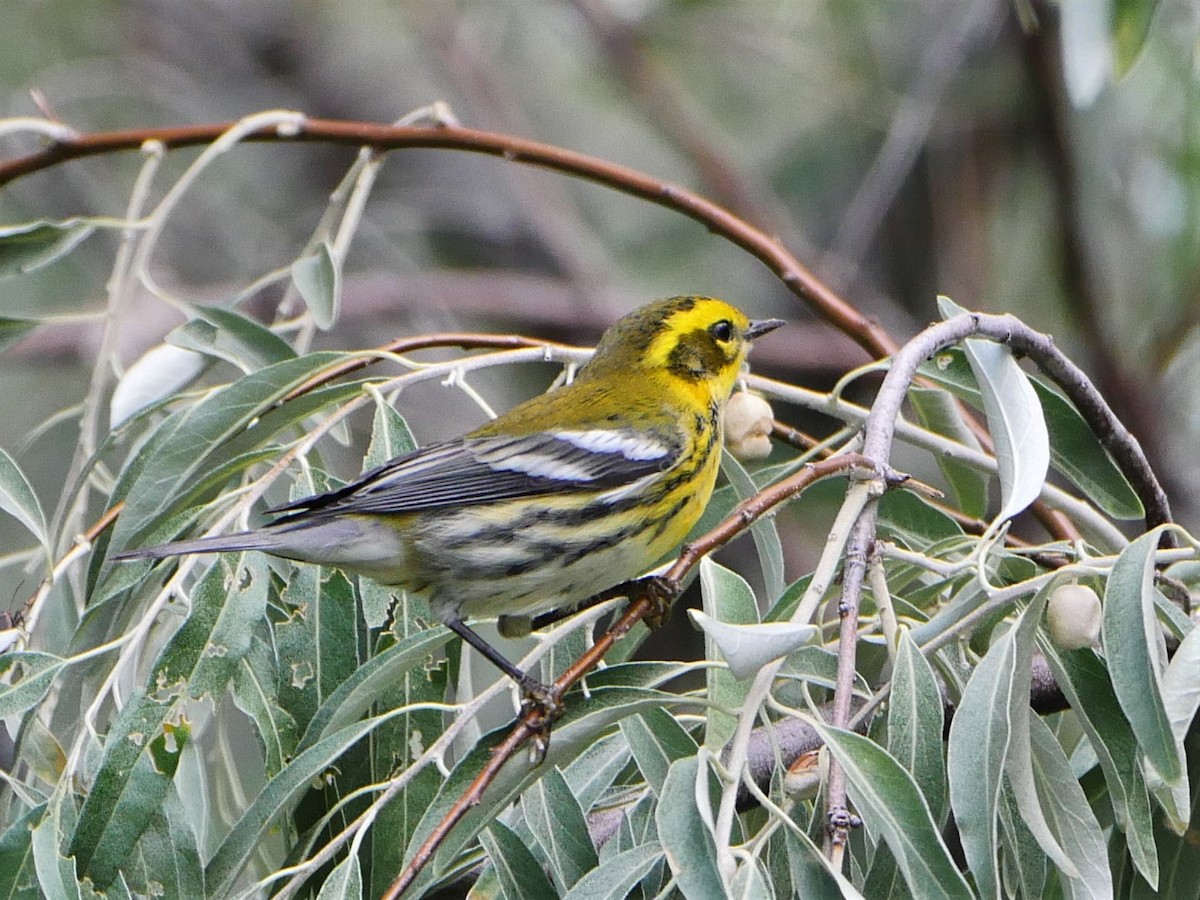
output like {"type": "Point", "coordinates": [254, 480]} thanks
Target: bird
{"type": "Point", "coordinates": [567, 496]}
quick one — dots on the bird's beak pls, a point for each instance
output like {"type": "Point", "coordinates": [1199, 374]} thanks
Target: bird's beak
{"type": "Point", "coordinates": [759, 327]}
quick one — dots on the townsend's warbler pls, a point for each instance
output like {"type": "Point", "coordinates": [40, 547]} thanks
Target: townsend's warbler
{"type": "Point", "coordinates": [563, 497]}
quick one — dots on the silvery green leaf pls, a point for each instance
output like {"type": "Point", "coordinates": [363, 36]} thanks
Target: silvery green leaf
{"type": "Point", "coordinates": [318, 277]}
{"type": "Point", "coordinates": [747, 648]}
{"type": "Point", "coordinates": [157, 374]}
{"type": "Point", "coordinates": [28, 247]}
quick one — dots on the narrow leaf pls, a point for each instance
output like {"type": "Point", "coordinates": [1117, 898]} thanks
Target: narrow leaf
{"type": "Point", "coordinates": [520, 874]}
{"type": "Point", "coordinates": [764, 532]}
{"type": "Point", "coordinates": [727, 599]}
{"type": "Point", "coordinates": [27, 247]}
{"type": "Point", "coordinates": [18, 878]}
{"type": "Point", "coordinates": [938, 411]}
{"type": "Point", "coordinates": [579, 728]}
{"type": "Point", "coordinates": [813, 878]}
{"type": "Point", "coordinates": [618, 875]}
{"type": "Point", "coordinates": [914, 725]}
{"type": "Point", "coordinates": [686, 840]}
{"type": "Point", "coordinates": [976, 756]}
{"type": "Point", "coordinates": [318, 277]}
{"type": "Point", "coordinates": [1085, 683]}
{"type": "Point", "coordinates": [1079, 455]}
{"type": "Point", "coordinates": [225, 334]}
{"type": "Point", "coordinates": [657, 740]}
{"type": "Point", "coordinates": [25, 678]}
{"type": "Point", "coordinates": [18, 499]}
{"type": "Point", "coordinates": [1069, 815]}
{"type": "Point", "coordinates": [344, 882]}
{"type": "Point", "coordinates": [1133, 648]}
{"type": "Point", "coordinates": [1016, 423]}
{"type": "Point", "coordinates": [889, 800]}
{"type": "Point", "coordinates": [244, 839]}
{"type": "Point", "coordinates": [559, 827]}
{"type": "Point", "coordinates": [157, 374]}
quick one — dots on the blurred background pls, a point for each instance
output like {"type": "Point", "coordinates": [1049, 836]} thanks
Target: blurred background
{"type": "Point", "coordinates": [1016, 156]}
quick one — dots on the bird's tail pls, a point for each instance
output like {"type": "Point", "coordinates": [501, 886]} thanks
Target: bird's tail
{"type": "Point", "coordinates": [246, 540]}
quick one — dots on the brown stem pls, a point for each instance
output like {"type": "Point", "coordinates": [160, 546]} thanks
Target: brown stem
{"type": "Point", "coordinates": [799, 280]}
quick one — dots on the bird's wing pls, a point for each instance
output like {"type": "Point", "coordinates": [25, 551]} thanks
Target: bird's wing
{"type": "Point", "coordinates": [480, 470]}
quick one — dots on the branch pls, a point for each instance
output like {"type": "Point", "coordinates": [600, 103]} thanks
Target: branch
{"type": "Point", "coordinates": [383, 138]}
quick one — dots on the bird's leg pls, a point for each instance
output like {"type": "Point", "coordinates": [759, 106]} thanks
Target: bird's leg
{"type": "Point", "coordinates": [659, 589]}
{"type": "Point", "coordinates": [544, 697]}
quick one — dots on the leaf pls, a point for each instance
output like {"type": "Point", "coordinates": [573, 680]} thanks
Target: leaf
{"type": "Point", "coordinates": [978, 750]}
{"type": "Point", "coordinates": [13, 329]}
{"type": "Point", "coordinates": [175, 465]}
{"type": "Point", "coordinates": [344, 882]}
{"type": "Point", "coordinates": [747, 648]}
{"type": "Point", "coordinates": [685, 838]}
{"type": "Point", "coordinates": [1017, 765]}
{"type": "Point", "coordinates": [906, 516]}
{"type": "Point", "coordinates": [244, 839]}
{"type": "Point", "coordinates": [390, 436]}
{"type": "Point", "coordinates": [890, 802]}
{"type": "Point", "coordinates": [25, 678]}
{"type": "Point", "coordinates": [18, 878]}
{"type": "Point", "coordinates": [1131, 28]}
{"type": "Point", "coordinates": [657, 740]}
{"type": "Point", "coordinates": [559, 827]}
{"type": "Point", "coordinates": [225, 334]}
{"type": "Point", "coordinates": [764, 532]}
{"type": "Point", "coordinates": [56, 874]}
{"type": "Point", "coordinates": [520, 874]}
{"type": "Point", "coordinates": [1133, 648]}
{"type": "Point", "coordinates": [1016, 423]}
{"type": "Point", "coordinates": [1178, 854]}
{"type": "Point", "coordinates": [255, 691]}
{"type": "Point", "coordinates": [594, 771]}
{"type": "Point", "coordinates": [142, 748]}
{"type": "Point", "coordinates": [1069, 816]}
{"type": "Point", "coordinates": [168, 858]}
{"type": "Point", "coordinates": [1074, 448]}
{"type": "Point", "coordinates": [938, 412]}
{"type": "Point", "coordinates": [728, 599]}
{"type": "Point", "coordinates": [750, 882]}
{"type": "Point", "coordinates": [617, 876]}
{"type": "Point", "coordinates": [27, 247]}
{"type": "Point", "coordinates": [1086, 685]}
{"type": "Point", "coordinates": [1181, 685]}
{"type": "Point", "coordinates": [1078, 454]}
{"type": "Point", "coordinates": [157, 374]}
{"type": "Point", "coordinates": [914, 725]}
{"type": "Point", "coordinates": [318, 277]}
{"type": "Point", "coordinates": [18, 499]}
{"type": "Point", "coordinates": [366, 685]}
{"type": "Point", "coordinates": [813, 878]}
{"type": "Point", "coordinates": [579, 728]}
{"type": "Point", "coordinates": [317, 645]}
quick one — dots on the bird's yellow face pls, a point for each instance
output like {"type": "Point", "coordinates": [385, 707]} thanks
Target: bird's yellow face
{"type": "Point", "coordinates": [700, 342]}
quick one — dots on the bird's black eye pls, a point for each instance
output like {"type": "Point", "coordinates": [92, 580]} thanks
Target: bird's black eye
{"type": "Point", "coordinates": [722, 331]}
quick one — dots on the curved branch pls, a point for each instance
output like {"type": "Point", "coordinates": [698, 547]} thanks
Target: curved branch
{"type": "Point", "coordinates": [382, 138]}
